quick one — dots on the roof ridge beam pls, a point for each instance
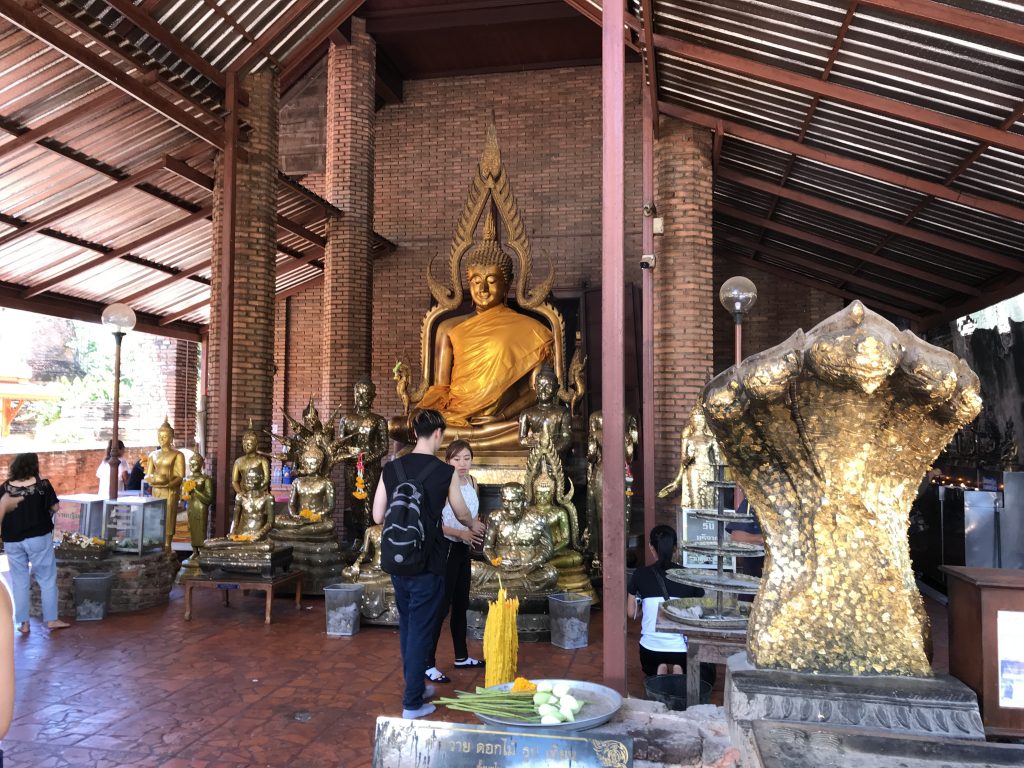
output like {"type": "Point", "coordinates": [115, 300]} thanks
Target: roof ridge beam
{"type": "Point", "coordinates": [842, 93]}
{"type": "Point", "coordinates": [44, 130]}
{"type": "Point", "coordinates": [846, 250]}
{"type": "Point", "coordinates": [956, 18]}
{"type": "Point", "coordinates": [859, 167]}
{"type": "Point", "coordinates": [877, 222]}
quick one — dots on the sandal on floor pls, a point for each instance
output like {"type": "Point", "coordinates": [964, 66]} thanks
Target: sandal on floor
{"type": "Point", "coordinates": [469, 663]}
{"type": "Point", "coordinates": [57, 624]}
{"type": "Point", "coordinates": [435, 675]}
{"type": "Point", "coordinates": [23, 628]}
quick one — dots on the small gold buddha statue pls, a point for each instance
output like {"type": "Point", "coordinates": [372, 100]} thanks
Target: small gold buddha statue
{"type": "Point", "coordinates": [166, 471]}
{"type": "Point", "coordinates": [699, 459]}
{"type": "Point", "coordinates": [548, 416]}
{"type": "Point", "coordinates": [558, 510]}
{"type": "Point", "coordinates": [252, 520]}
{"type": "Point", "coordinates": [311, 431]}
{"type": "Point", "coordinates": [198, 495]}
{"type": "Point", "coordinates": [366, 434]}
{"type": "Point", "coordinates": [249, 459]}
{"type": "Point", "coordinates": [310, 500]}
{"type": "Point", "coordinates": [379, 605]}
{"type": "Point", "coordinates": [517, 546]}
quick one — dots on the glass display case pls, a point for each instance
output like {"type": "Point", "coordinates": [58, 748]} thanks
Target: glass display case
{"type": "Point", "coordinates": [80, 513]}
{"type": "Point", "coordinates": [134, 524]}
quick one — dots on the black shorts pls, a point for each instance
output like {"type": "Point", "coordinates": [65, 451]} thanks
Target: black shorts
{"type": "Point", "coordinates": [649, 660]}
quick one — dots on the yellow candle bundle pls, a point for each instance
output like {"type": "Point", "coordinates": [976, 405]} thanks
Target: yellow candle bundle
{"type": "Point", "coordinates": [501, 640]}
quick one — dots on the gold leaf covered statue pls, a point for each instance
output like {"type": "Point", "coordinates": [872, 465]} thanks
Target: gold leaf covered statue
{"type": "Point", "coordinates": [311, 431]}
{"type": "Point", "coordinates": [250, 459]}
{"type": "Point", "coordinates": [556, 507]}
{"type": "Point", "coordinates": [198, 494]}
{"type": "Point", "coordinates": [310, 498]}
{"type": "Point", "coordinates": [166, 472]}
{"type": "Point", "coordinates": [477, 369]}
{"type": "Point", "coordinates": [548, 417]}
{"type": "Point", "coordinates": [699, 459]}
{"type": "Point", "coordinates": [829, 434]}
{"type": "Point", "coordinates": [576, 377]}
{"type": "Point", "coordinates": [379, 605]}
{"type": "Point", "coordinates": [593, 535]}
{"type": "Point", "coordinates": [517, 546]}
{"type": "Point", "coordinates": [366, 434]}
{"type": "Point", "coordinates": [250, 524]}
{"type": "Point", "coordinates": [402, 375]}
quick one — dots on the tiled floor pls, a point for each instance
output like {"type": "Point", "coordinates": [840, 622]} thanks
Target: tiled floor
{"type": "Point", "coordinates": [226, 691]}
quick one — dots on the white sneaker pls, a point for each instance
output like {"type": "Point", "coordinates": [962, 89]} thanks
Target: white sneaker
{"type": "Point", "coordinates": [412, 714]}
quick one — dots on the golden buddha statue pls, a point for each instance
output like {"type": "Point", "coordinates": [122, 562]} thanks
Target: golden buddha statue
{"type": "Point", "coordinates": [478, 369]}
{"type": "Point", "coordinates": [368, 436]}
{"type": "Point", "coordinates": [198, 495]}
{"type": "Point", "coordinates": [517, 546]}
{"type": "Point", "coordinates": [548, 417]}
{"type": "Point", "coordinates": [311, 431]}
{"type": "Point", "coordinates": [252, 520]}
{"type": "Point", "coordinates": [310, 499]}
{"type": "Point", "coordinates": [250, 459]}
{"type": "Point", "coordinates": [593, 536]}
{"type": "Point", "coordinates": [379, 606]}
{"type": "Point", "coordinates": [699, 459]}
{"type": "Point", "coordinates": [558, 510]}
{"type": "Point", "coordinates": [166, 471]}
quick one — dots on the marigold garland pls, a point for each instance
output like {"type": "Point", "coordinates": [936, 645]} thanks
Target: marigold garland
{"type": "Point", "coordinates": [186, 489]}
{"type": "Point", "coordinates": [309, 514]}
{"type": "Point", "coordinates": [360, 491]}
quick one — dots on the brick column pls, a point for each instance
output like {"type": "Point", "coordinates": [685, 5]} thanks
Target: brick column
{"type": "Point", "coordinates": [252, 344]}
{"type": "Point", "coordinates": [684, 299]}
{"type": "Point", "coordinates": [348, 184]}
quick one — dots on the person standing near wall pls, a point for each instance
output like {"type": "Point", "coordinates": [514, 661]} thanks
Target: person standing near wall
{"type": "Point", "coordinates": [103, 471]}
{"type": "Point", "coordinates": [27, 534]}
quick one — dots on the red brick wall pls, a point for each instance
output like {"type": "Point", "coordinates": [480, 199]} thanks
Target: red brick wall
{"type": "Point", "coordinates": [74, 471]}
{"type": "Point", "coordinates": [782, 307]}
{"type": "Point", "coordinates": [296, 353]}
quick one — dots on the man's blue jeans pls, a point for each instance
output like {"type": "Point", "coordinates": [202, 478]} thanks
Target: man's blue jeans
{"type": "Point", "coordinates": [38, 551]}
{"type": "Point", "coordinates": [419, 599]}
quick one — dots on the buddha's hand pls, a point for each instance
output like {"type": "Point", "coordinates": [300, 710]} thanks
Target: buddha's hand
{"type": "Point", "coordinates": [480, 421]}
{"type": "Point", "coordinates": [669, 489]}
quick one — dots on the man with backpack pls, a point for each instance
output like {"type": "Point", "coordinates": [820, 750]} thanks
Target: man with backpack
{"type": "Point", "coordinates": [407, 502]}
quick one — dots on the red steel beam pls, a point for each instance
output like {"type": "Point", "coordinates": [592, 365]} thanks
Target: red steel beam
{"type": "Point", "coordinates": [868, 170]}
{"type": "Point", "coordinates": [650, 121]}
{"type": "Point", "coordinates": [951, 16]}
{"type": "Point", "coordinates": [809, 263]}
{"type": "Point", "coordinates": [168, 319]}
{"type": "Point", "coordinates": [34, 25]}
{"type": "Point", "coordinates": [262, 45]}
{"type": "Point", "coordinates": [116, 253]}
{"type": "Point", "coordinates": [176, 278]}
{"type": "Point", "coordinates": [118, 186]}
{"type": "Point", "coordinates": [995, 290]}
{"type": "Point", "coordinates": [786, 274]}
{"type": "Point", "coordinates": [594, 14]}
{"type": "Point", "coordinates": [613, 392]}
{"type": "Point", "coordinates": [650, 55]}
{"type": "Point", "coordinates": [886, 225]}
{"type": "Point", "coordinates": [304, 55]}
{"type": "Point", "coordinates": [299, 288]}
{"type": "Point", "coordinates": [107, 98]}
{"type": "Point", "coordinates": [841, 93]}
{"type": "Point", "coordinates": [847, 250]}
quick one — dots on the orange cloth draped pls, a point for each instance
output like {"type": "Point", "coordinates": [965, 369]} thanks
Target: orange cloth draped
{"type": "Point", "coordinates": [492, 351]}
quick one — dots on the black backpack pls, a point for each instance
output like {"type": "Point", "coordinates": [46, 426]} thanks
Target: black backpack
{"type": "Point", "coordinates": [407, 535]}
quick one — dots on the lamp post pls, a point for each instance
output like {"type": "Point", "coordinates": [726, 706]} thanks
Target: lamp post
{"type": "Point", "coordinates": [120, 319]}
{"type": "Point", "coordinates": [738, 294]}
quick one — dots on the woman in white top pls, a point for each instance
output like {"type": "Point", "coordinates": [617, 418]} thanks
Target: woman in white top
{"type": "Point", "coordinates": [456, 582]}
{"type": "Point", "coordinates": [103, 471]}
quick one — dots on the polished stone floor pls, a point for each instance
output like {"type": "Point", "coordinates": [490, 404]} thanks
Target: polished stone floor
{"type": "Point", "coordinates": [227, 691]}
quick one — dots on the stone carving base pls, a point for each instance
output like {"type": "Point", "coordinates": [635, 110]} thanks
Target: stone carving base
{"type": "Point", "coordinates": [812, 746]}
{"type": "Point", "coordinates": [140, 581]}
{"type": "Point", "coordinates": [264, 564]}
{"type": "Point", "coordinates": [320, 560]}
{"type": "Point", "coordinates": [533, 623]}
{"type": "Point", "coordinates": [939, 707]}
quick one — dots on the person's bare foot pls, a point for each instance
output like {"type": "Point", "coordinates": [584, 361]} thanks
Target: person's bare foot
{"type": "Point", "coordinates": [23, 627]}
{"type": "Point", "coordinates": [57, 624]}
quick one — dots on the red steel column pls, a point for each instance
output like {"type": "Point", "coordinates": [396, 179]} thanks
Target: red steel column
{"type": "Point", "coordinates": [647, 329]}
{"type": "Point", "coordinates": [613, 391]}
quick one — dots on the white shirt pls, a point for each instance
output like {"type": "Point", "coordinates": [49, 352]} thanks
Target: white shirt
{"type": "Point", "coordinates": [103, 474]}
{"type": "Point", "coordinates": [448, 518]}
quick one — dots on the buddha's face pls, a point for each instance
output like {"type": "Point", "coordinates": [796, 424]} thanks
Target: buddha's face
{"type": "Point", "coordinates": [195, 464]}
{"type": "Point", "coordinates": [513, 499]}
{"type": "Point", "coordinates": [546, 387]}
{"type": "Point", "coordinates": [487, 286]}
{"type": "Point", "coordinates": [697, 419]}
{"type": "Point", "coordinates": [311, 418]}
{"type": "Point", "coordinates": [164, 436]}
{"type": "Point", "coordinates": [309, 463]}
{"type": "Point", "coordinates": [253, 479]}
{"type": "Point", "coordinates": [249, 442]}
{"type": "Point", "coordinates": [364, 395]}
{"type": "Point", "coordinates": [543, 494]}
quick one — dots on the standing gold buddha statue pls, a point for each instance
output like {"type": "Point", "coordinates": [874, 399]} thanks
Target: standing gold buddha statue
{"type": "Point", "coordinates": [166, 472]}
{"type": "Point", "coordinates": [367, 435]}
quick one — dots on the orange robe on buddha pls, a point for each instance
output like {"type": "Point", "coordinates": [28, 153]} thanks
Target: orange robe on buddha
{"type": "Point", "coordinates": [492, 351]}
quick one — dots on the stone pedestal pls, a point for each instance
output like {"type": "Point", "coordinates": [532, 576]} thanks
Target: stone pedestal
{"type": "Point", "coordinates": [319, 557]}
{"type": "Point", "coordinates": [264, 564]}
{"type": "Point", "coordinates": [533, 623]}
{"type": "Point", "coordinates": [140, 581]}
{"type": "Point", "coordinates": [939, 707]}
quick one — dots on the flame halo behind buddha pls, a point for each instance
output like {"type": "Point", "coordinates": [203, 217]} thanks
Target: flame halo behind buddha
{"type": "Point", "coordinates": [478, 369]}
{"type": "Point", "coordinates": [829, 434]}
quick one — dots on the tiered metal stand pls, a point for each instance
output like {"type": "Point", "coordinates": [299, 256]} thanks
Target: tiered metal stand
{"type": "Point", "coordinates": [720, 608]}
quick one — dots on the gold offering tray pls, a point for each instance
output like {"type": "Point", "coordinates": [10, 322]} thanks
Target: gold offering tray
{"type": "Point", "coordinates": [710, 580]}
{"type": "Point", "coordinates": [733, 548]}
{"type": "Point", "coordinates": [683, 609]}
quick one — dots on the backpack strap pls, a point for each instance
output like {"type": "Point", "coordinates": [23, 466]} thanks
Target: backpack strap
{"type": "Point", "coordinates": [400, 470]}
{"type": "Point", "coordinates": [425, 473]}
{"type": "Point", "coordinates": [661, 581]}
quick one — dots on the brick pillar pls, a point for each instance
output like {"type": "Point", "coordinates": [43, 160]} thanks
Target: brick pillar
{"type": "Point", "coordinates": [179, 360]}
{"type": "Point", "coordinates": [348, 184]}
{"type": "Point", "coordinates": [252, 344]}
{"type": "Point", "coordinates": [684, 299]}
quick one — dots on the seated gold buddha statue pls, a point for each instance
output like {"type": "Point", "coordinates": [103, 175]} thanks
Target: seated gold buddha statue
{"type": "Point", "coordinates": [310, 500]}
{"type": "Point", "coordinates": [478, 369]}
{"type": "Point", "coordinates": [378, 606]}
{"type": "Point", "coordinates": [559, 512]}
{"type": "Point", "coordinates": [250, 458]}
{"type": "Point", "coordinates": [517, 546]}
{"type": "Point", "coordinates": [251, 522]}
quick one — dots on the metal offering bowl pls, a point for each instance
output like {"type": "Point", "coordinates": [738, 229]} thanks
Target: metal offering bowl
{"type": "Point", "coordinates": [601, 703]}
